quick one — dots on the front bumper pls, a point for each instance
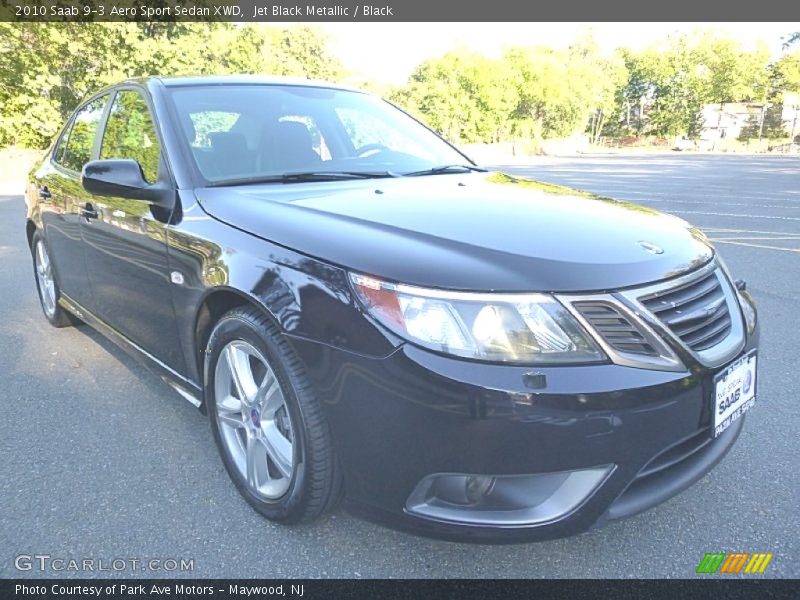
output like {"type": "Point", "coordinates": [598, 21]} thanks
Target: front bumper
{"type": "Point", "coordinates": [399, 419]}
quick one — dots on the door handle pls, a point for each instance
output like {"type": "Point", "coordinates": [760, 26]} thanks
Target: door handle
{"type": "Point", "coordinates": [44, 193]}
{"type": "Point", "coordinates": [88, 211]}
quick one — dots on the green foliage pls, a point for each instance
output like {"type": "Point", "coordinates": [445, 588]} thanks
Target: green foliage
{"type": "Point", "coordinates": [78, 148]}
{"type": "Point", "coordinates": [47, 68]}
{"type": "Point", "coordinates": [785, 74]}
{"type": "Point", "coordinates": [540, 92]}
{"type": "Point", "coordinates": [130, 133]}
{"type": "Point", "coordinates": [768, 126]}
{"type": "Point", "coordinates": [463, 95]}
{"type": "Point", "coordinates": [550, 102]}
{"type": "Point", "coordinates": [527, 94]}
{"type": "Point", "coordinates": [783, 78]}
{"type": "Point", "coordinates": [670, 81]}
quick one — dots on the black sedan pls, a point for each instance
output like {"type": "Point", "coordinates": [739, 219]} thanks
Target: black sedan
{"type": "Point", "coordinates": [365, 313]}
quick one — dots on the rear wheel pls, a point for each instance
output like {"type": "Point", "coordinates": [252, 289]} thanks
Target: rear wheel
{"type": "Point", "coordinates": [268, 426]}
{"type": "Point", "coordinates": [46, 284]}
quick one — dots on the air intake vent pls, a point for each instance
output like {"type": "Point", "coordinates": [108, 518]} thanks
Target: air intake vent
{"type": "Point", "coordinates": [615, 328]}
{"type": "Point", "coordinates": [696, 312]}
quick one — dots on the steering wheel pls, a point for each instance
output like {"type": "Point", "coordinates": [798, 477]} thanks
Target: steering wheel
{"type": "Point", "coordinates": [368, 149]}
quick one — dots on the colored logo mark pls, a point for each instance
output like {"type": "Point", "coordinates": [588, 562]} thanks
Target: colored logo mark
{"type": "Point", "coordinates": [735, 562]}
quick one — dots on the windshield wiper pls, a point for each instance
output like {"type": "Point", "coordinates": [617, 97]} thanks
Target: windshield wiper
{"type": "Point", "coordinates": [304, 176]}
{"type": "Point", "coordinates": [443, 169]}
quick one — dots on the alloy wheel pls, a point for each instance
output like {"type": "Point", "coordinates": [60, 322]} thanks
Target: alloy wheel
{"type": "Point", "coordinates": [254, 421]}
{"type": "Point", "coordinates": [44, 274]}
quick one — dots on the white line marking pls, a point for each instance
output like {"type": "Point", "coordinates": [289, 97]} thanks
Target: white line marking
{"type": "Point", "coordinates": [716, 214]}
{"type": "Point", "coordinates": [718, 203]}
{"type": "Point", "coordinates": [781, 237]}
{"type": "Point", "coordinates": [759, 246]}
{"type": "Point", "coordinates": [718, 230]}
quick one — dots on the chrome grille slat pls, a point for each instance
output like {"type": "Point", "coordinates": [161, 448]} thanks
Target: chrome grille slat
{"type": "Point", "coordinates": [642, 348]}
{"type": "Point", "coordinates": [708, 339]}
{"type": "Point", "coordinates": [684, 294]}
{"type": "Point", "coordinates": [696, 312]}
{"type": "Point", "coordinates": [626, 339]}
{"type": "Point", "coordinates": [693, 313]}
{"type": "Point", "coordinates": [617, 330]}
{"type": "Point", "coordinates": [682, 330]}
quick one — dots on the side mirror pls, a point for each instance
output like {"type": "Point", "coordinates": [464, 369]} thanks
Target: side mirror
{"type": "Point", "coordinates": [123, 177]}
{"type": "Point", "coordinates": [113, 177]}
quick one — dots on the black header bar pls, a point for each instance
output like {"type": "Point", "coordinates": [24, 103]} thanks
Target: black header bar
{"type": "Point", "coordinates": [398, 10]}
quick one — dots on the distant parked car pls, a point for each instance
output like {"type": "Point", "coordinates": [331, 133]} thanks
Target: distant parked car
{"type": "Point", "coordinates": [362, 310]}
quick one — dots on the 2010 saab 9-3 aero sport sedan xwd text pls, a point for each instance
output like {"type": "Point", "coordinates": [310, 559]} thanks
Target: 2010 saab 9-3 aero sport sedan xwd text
{"type": "Point", "coordinates": [363, 312]}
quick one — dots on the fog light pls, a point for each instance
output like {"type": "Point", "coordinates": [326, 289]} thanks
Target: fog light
{"type": "Point", "coordinates": [504, 499]}
{"type": "Point", "coordinates": [477, 487]}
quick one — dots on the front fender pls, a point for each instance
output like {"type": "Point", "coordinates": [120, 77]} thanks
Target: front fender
{"type": "Point", "coordinates": [306, 297]}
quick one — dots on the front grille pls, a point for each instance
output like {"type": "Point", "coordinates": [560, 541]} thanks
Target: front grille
{"type": "Point", "coordinates": [698, 309]}
{"type": "Point", "coordinates": [696, 312]}
{"type": "Point", "coordinates": [615, 328]}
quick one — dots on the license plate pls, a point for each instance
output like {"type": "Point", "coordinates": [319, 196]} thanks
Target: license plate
{"type": "Point", "coordinates": [734, 392]}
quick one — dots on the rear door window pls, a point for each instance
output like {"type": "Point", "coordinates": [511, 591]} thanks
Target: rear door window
{"type": "Point", "coordinates": [75, 150]}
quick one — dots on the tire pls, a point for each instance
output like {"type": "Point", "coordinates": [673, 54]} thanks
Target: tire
{"type": "Point", "coordinates": [284, 486]}
{"type": "Point", "coordinates": [47, 285]}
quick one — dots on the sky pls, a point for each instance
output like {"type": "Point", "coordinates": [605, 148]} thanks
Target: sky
{"type": "Point", "coordinates": [388, 52]}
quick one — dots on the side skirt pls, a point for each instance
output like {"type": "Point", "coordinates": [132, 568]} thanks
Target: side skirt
{"type": "Point", "coordinates": [187, 389]}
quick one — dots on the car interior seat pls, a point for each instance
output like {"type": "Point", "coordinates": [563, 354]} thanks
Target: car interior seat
{"type": "Point", "coordinates": [286, 146]}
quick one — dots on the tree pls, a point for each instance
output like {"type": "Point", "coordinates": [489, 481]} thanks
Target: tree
{"type": "Point", "coordinates": [735, 75]}
{"type": "Point", "coordinates": [784, 79]}
{"type": "Point", "coordinates": [639, 89]}
{"type": "Point", "coordinates": [680, 86]}
{"type": "Point", "coordinates": [785, 73]}
{"type": "Point", "coordinates": [674, 78]}
{"type": "Point", "coordinates": [47, 68]}
{"type": "Point", "coordinates": [596, 80]}
{"type": "Point", "coordinates": [550, 104]}
{"type": "Point", "coordinates": [464, 96]}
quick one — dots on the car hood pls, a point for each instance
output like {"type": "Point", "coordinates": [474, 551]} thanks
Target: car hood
{"type": "Point", "coordinates": [480, 231]}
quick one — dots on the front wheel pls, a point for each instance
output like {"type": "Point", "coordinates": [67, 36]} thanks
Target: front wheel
{"type": "Point", "coordinates": [268, 426]}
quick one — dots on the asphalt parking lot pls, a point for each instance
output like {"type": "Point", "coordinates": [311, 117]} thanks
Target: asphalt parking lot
{"type": "Point", "coordinates": [101, 460]}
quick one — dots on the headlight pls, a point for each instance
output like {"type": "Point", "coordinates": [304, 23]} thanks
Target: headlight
{"type": "Point", "coordinates": [519, 328]}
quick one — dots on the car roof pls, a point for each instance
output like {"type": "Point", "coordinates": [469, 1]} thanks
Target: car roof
{"type": "Point", "coordinates": [211, 80]}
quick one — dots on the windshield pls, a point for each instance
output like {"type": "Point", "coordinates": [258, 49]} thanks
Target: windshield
{"type": "Point", "coordinates": [241, 133]}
